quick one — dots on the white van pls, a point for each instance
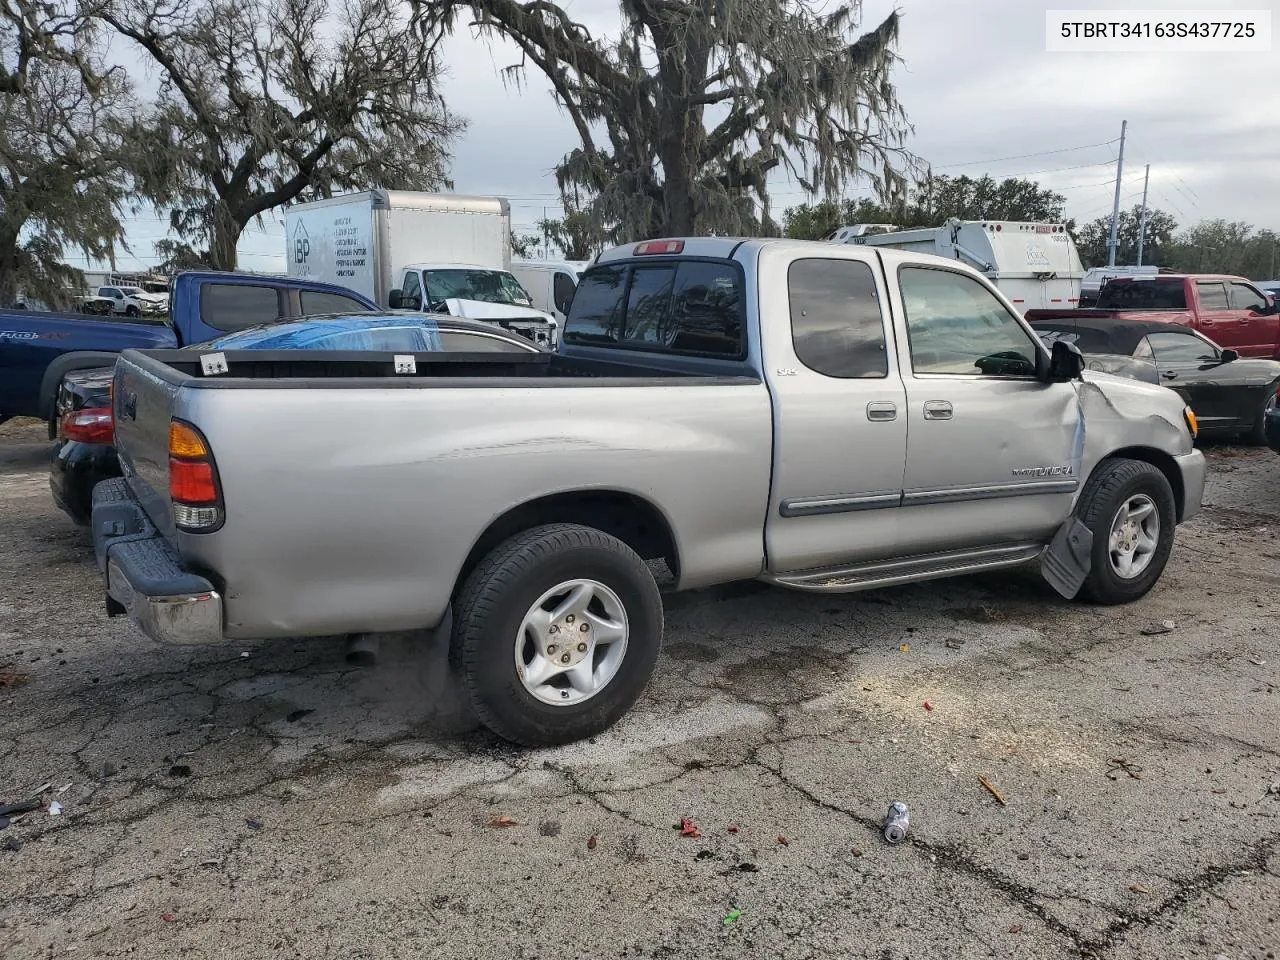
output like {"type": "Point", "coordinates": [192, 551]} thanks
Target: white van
{"type": "Point", "coordinates": [549, 283]}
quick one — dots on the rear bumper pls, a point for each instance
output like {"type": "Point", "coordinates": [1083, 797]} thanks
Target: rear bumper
{"type": "Point", "coordinates": [1192, 468]}
{"type": "Point", "coordinates": [145, 578]}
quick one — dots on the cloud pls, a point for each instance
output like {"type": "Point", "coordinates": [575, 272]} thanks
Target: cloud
{"type": "Point", "coordinates": [978, 85]}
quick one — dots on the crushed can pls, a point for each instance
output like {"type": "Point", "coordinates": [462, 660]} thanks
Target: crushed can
{"type": "Point", "coordinates": [896, 822]}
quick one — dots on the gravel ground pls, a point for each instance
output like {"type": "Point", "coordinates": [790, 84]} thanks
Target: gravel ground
{"type": "Point", "coordinates": [268, 800]}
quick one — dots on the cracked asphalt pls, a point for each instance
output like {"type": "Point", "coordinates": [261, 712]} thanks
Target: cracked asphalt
{"type": "Point", "coordinates": [269, 800]}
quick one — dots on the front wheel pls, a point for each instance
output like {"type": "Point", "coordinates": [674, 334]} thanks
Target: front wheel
{"type": "Point", "coordinates": [132, 312]}
{"type": "Point", "coordinates": [1128, 506]}
{"type": "Point", "coordinates": [556, 634]}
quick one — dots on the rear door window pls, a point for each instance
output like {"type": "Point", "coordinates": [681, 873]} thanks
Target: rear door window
{"type": "Point", "coordinates": [235, 306]}
{"type": "Point", "coordinates": [1213, 295]}
{"type": "Point", "coordinates": [837, 328]}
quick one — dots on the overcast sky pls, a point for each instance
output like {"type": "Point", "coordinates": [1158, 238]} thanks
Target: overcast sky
{"type": "Point", "coordinates": [978, 86]}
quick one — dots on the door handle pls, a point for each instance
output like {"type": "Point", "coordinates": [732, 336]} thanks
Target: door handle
{"type": "Point", "coordinates": [882, 410]}
{"type": "Point", "coordinates": [937, 410]}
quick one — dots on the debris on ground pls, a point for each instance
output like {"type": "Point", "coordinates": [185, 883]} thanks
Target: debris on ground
{"type": "Point", "coordinates": [9, 677]}
{"type": "Point", "coordinates": [992, 790]}
{"type": "Point", "coordinates": [55, 809]}
{"type": "Point", "coordinates": [747, 867]}
{"type": "Point", "coordinates": [180, 770]}
{"type": "Point", "coordinates": [1016, 928]}
{"type": "Point", "coordinates": [905, 648]}
{"type": "Point", "coordinates": [23, 806]}
{"type": "Point", "coordinates": [856, 852]}
{"type": "Point", "coordinates": [168, 918]}
{"type": "Point", "coordinates": [954, 643]}
{"type": "Point", "coordinates": [4, 823]}
{"type": "Point", "coordinates": [896, 822]}
{"type": "Point", "coordinates": [591, 843]}
{"type": "Point", "coordinates": [734, 828]}
{"type": "Point", "coordinates": [298, 715]}
{"type": "Point", "coordinates": [549, 828]}
{"type": "Point", "coordinates": [502, 821]}
{"type": "Point", "coordinates": [732, 916]}
{"type": "Point", "coordinates": [1118, 765]}
{"type": "Point", "coordinates": [109, 769]}
{"type": "Point", "coordinates": [688, 828]}
{"type": "Point", "coordinates": [783, 840]}
{"type": "Point", "coordinates": [928, 707]}
{"type": "Point", "coordinates": [1158, 627]}
{"type": "Point", "coordinates": [253, 824]}
{"type": "Point", "coordinates": [703, 855]}
{"type": "Point", "coordinates": [1139, 888]}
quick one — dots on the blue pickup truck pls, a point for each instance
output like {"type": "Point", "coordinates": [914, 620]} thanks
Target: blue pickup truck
{"type": "Point", "coordinates": [37, 349]}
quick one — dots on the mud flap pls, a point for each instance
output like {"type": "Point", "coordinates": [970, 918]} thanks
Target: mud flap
{"type": "Point", "coordinates": [1066, 563]}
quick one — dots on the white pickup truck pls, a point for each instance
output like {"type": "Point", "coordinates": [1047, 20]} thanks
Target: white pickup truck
{"type": "Point", "coordinates": [827, 418]}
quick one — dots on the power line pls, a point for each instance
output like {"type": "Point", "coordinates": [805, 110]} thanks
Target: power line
{"type": "Point", "coordinates": [1024, 156]}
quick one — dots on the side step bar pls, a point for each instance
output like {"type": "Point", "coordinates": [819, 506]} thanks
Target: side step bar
{"type": "Point", "coordinates": [887, 573]}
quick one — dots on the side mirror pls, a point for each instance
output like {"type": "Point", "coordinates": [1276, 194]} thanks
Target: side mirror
{"type": "Point", "coordinates": [395, 300]}
{"type": "Point", "coordinates": [1066, 362]}
{"type": "Point", "coordinates": [1227, 356]}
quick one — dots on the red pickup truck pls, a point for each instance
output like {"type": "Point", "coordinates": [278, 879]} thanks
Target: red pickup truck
{"type": "Point", "coordinates": [1230, 311]}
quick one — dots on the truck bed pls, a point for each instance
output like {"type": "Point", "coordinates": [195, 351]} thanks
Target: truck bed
{"type": "Point", "coordinates": [389, 478]}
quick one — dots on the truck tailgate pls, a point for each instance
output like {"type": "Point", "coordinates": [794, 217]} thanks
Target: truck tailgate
{"type": "Point", "coordinates": [143, 403]}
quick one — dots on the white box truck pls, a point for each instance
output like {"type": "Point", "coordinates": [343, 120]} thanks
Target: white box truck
{"type": "Point", "coordinates": [433, 252]}
{"type": "Point", "coordinates": [1034, 264]}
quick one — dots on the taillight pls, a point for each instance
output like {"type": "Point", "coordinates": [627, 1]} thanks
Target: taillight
{"type": "Point", "coordinates": [193, 480]}
{"type": "Point", "coordinates": [88, 425]}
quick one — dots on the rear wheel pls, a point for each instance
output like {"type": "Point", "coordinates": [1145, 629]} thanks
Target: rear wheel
{"type": "Point", "coordinates": [1128, 506]}
{"type": "Point", "coordinates": [556, 634]}
{"type": "Point", "coordinates": [1258, 435]}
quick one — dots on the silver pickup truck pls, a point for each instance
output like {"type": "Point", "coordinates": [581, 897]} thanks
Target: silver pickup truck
{"type": "Point", "coordinates": [824, 417]}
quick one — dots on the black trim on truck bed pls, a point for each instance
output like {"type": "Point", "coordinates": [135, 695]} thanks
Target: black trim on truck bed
{"type": "Point", "coordinates": [294, 369]}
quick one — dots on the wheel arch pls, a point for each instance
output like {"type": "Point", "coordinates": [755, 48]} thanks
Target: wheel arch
{"type": "Point", "coordinates": [633, 519]}
{"type": "Point", "coordinates": [60, 367]}
{"type": "Point", "coordinates": [1162, 461]}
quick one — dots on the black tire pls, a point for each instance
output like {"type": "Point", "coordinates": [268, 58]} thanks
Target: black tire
{"type": "Point", "coordinates": [1112, 484]}
{"type": "Point", "coordinates": [1257, 435]}
{"type": "Point", "coordinates": [493, 603]}
{"type": "Point", "coordinates": [132, 312]}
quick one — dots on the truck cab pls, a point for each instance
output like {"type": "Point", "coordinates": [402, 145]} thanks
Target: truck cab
{"type": "Point", "coordinates": [475, 292]}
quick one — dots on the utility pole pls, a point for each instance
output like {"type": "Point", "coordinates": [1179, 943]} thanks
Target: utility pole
{"type": "Point", "coordinates": [1142, 225]}
{"type": "Point", "coordinates": [1115, 209]}
{"type": "Point", "coordinates": [546, 240]}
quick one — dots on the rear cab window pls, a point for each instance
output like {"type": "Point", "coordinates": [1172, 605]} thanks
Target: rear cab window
{"type": "Point", "coordinates": [1212, 294]}
{"type": "Point", "coordinates": [837, 328]}
{"type": "Point", "coordinates": [687, 307]}
{"type": "Point", "coordinates": [236, 306]}
{"type": "Point", "coordinates": [1143, 295]}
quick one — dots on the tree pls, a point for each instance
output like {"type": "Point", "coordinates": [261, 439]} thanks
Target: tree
{"type": "Point", "coordinates": [265, 102]}
{"type": "Point", "coordinates": [524, 246]}
{"type": "Point", "coordinates": [1091, 239]}
{"type": "Point", "coordinates": [930, 203]}
{"type": "Point", "coordinates": [177, 256]}
{"type": "Point", "coordinates": [62, 184]}
{"type": "Point", "coordinates": [685, 115]}
{"type": "Point", "coordinates": [44, 30]}
{"type": "Point", "coordinates": [1220, 246]}
{"type": "Point", "coordinates": [576, 233]}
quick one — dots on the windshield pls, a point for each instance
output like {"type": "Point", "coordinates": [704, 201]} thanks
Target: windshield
{"type": "Point", "coordinates": [131, 291]}
{"type": "Point", "coordinates": [1143, 295]}
{"type": "Point", "coordinates": [491, 286]}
